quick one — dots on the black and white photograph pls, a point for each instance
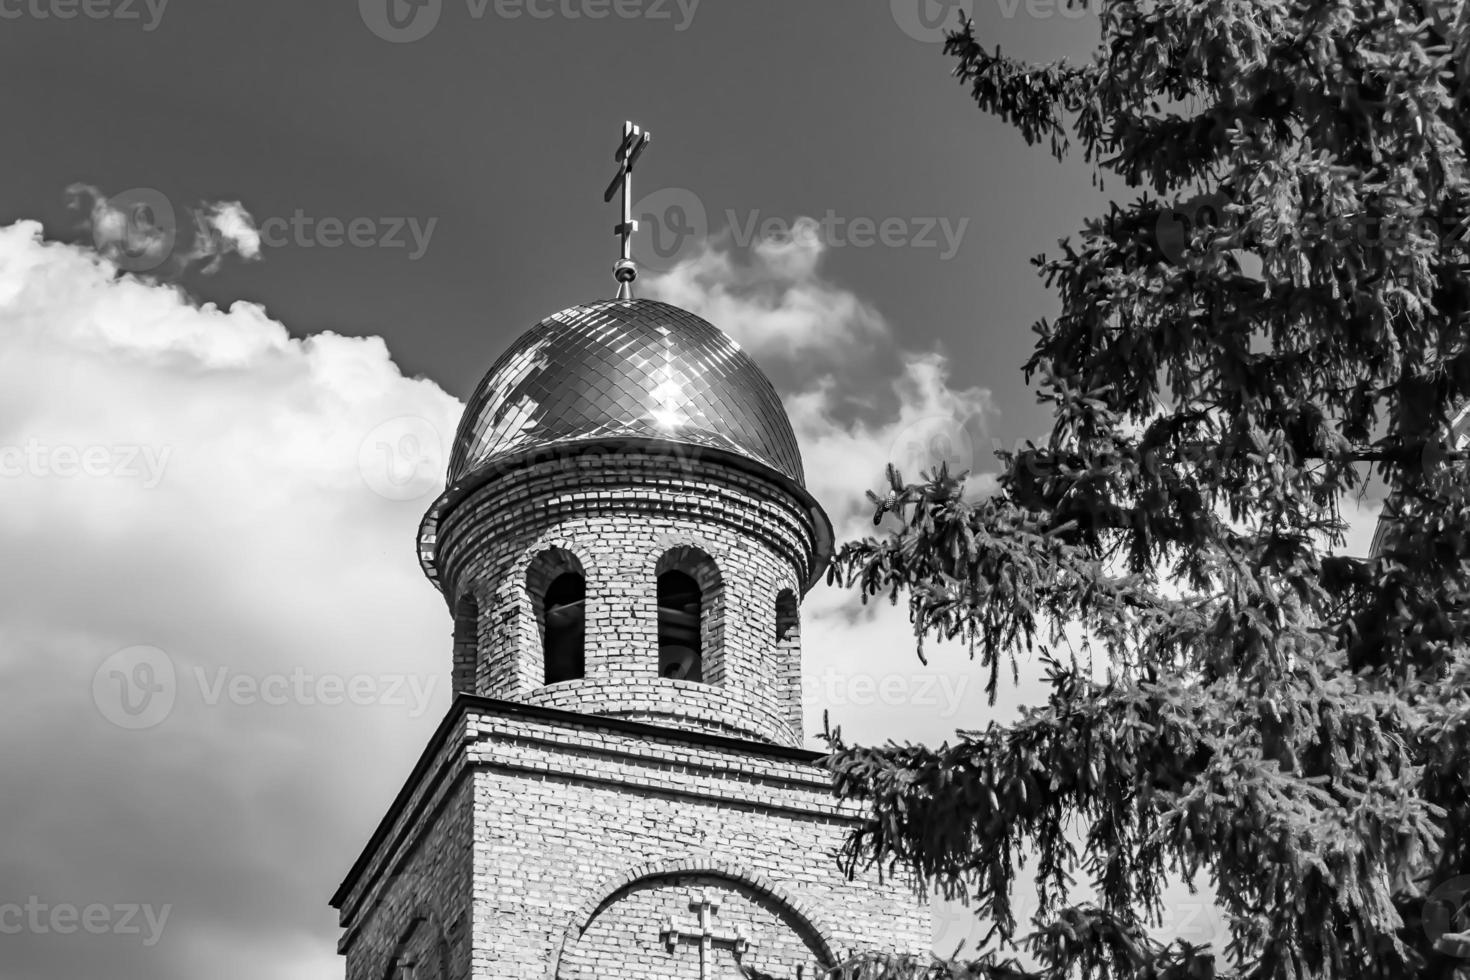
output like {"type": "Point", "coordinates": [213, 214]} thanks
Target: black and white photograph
{"type": "Point", "coordinates": [735, 490]}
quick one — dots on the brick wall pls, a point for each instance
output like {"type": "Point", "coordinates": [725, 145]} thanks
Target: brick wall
{"type": "Point", "coordinates": [620, 519]}
{"type": "Point", "coordinates": [580, 839]}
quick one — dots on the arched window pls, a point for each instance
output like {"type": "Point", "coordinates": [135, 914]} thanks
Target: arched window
{"type": "Point", "coordinates": [558, 593]}
{"type": "Point", "coordinates": [565, 630]}
{"type": "Point", "coordinates": [679, 642]}
{"type": "Point", "coordinates": [788, 656]}
{"type": "Point", "coordinates": [691, 616]}
{"type": "Point", "coordinates": [466, 642]}
{"type": "Point", "coordinates": [788, 623]}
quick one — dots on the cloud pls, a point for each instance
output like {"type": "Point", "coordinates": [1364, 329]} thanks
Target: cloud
{"type": "Point", "coordinates": [776, 305]}
{"type": "Point", "coordinates": [856, 399]}
{"type": "Point", "coordinates": [194, 482]}
{"type": "Point", "coordinates": [138, 230]}
{"type": "Point", "coordinates": [221, 229]}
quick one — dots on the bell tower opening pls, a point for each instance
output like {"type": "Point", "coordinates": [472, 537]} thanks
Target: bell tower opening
{"type": "Point", "coordinates": [691, 616]}
{"type": "Point", "coordinates": [557, 589]}
{"type": "Point", "coordinates": [565, 628]}
{"type": "Point", "coordinates": [680, 650]}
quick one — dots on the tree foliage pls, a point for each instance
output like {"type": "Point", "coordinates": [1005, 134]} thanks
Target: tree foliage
{"type": "Point", "coordinates": [1280, 718]}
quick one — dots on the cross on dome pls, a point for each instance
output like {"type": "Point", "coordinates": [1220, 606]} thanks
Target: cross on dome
{"type": "Point", "coordinates": [635, 141]}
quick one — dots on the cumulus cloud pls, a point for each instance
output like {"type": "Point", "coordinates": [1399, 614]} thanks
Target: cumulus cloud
{"type": "Point", "coordinates": [856, 399]}
{"type": "Point", "coordinates": [139, 229]}
{"type": "Point", "coordinates": [208, 533]}
{"type": "Point", "coordinates": [222, 229]}
{"type": "Point", "coordinates": [775, 304]}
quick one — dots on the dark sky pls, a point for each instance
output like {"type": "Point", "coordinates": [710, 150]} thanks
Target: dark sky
{"type": "Point", "coordinates": [502, 130]}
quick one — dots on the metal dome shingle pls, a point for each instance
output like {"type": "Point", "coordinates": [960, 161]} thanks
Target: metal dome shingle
{"type": "Point", "coordinates": [625, 368]}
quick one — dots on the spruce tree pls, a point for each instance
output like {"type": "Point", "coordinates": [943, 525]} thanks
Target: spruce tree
{"type": "Point", "coordinates": [1277, 317]}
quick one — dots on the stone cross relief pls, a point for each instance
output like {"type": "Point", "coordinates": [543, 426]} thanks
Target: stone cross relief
{"type": "Point", "coordinates": [703, 932]}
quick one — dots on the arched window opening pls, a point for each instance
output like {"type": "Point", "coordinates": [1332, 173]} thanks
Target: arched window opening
{"type": "Point", "coordinates": [680, 650]}
{"type": "Point", "coordinates": [788, 657]}
{"type": "Point", "coordinates": [787, 621]}
{"type": "Point", "coordinates": [466, 642]}
{"type": "Point", "coordinates": [564, 629]}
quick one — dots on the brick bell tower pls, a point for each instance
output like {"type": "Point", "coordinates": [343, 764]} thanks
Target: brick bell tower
{"type": "Point", "coordinates": [619, 790]}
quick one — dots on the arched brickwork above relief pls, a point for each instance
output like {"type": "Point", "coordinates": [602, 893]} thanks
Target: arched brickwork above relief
{"type": "Point", "coordinates": [611, 888]}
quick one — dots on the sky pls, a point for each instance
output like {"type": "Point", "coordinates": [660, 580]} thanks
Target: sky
{"type": "Point", "coordinates": [220, 424]}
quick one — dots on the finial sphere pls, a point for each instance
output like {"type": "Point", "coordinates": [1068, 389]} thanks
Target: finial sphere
{"type": "Point", "coordinates": [625, 270]}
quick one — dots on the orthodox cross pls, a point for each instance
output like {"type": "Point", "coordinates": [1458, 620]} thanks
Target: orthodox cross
{"type": "Point", "coordinates": [635, 141]}
{"type": "Point", "coordinates": [704, 933]}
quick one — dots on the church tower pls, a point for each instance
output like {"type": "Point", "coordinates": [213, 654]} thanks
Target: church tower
{"type": "Point", "coordinates": [619, 789]}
